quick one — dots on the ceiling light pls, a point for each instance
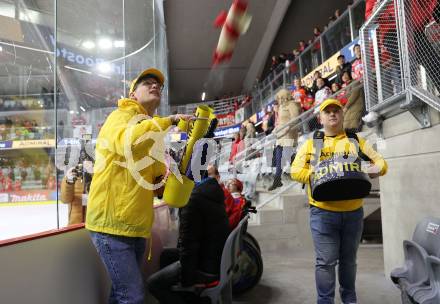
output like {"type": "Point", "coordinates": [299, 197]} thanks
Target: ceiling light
{"type": "Point", "coordinates": [119, 43]}
{"type": "Point", "coordinates": [82, 108]}
{"type": "Point", "coordinates": [105, 43]}
{"type": "Point", "coordinates": [203, 96]}
{"type": "Point", "coordinates": [1, 49]}
{"type": "Point", "coordinates": [104, 67]}
{"type": "Point", "coordinates": [71, 111]}
{"type": "Point", "coordinates": [88, 44]}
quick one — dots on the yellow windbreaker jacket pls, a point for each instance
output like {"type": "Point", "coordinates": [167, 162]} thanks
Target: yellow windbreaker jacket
{"type": "Point", "coordinates": [129, 157]}
{"type": "Point", "coordinates": [301, 169]}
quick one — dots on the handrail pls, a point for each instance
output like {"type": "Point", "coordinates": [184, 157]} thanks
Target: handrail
{"type": "Point", "coordinates": [295, 122]}
{"type": "Point", "coordinates": [224, 107]}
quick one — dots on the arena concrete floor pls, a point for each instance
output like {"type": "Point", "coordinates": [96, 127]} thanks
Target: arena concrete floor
{"type": "Point", "coordinates": [288, 278]}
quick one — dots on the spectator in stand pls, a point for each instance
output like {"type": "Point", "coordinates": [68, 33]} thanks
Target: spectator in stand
{"type": "Point", "coordinates": [342, 68]}
{"type": "Point", "coordinates": [316, 32]}
{"type": "Point", "coordinates": [346, 79]}
{"type": "Point", "coordinates": [323, 92]}
{"type": "Point", "coordinates": [357, 67]}
{"type": "Point", "coordinates": [274, 63]}
{"type": "Point", "coordinates": [316, 50]}
{"type": "Point", "coordinates": [299, 94]}
{"type": "Point", "coordinates": [293, 65]}
{"type": "Point", "coordinates": [270, 119]}
{"type": "Point", "coordinates": [51, 183]}
{"type": "Point", "coordinates": [282, 58]}
{"type": "Point", "coordinates": [306, 60]}
{"type": "Point", "coordinates": [234, 207]}
{"type": "Point", "coordinates": [342, 96]}
{"type": "Point", "coordinates": [317, 75]}
{"type": "Point", "coordinates": [249, 139]}
{"type": "Point", "coordinates": [335, 87]}
{"type": "Point", "coordinates": [301, 46]}
{"type": "Point", "coordinates": [354, 104]}
{"type": "Point", "coordinates": [370, 7]}
{"type": "Point", "coordinates": [286, 138]}
{"type": "Point", "coordinates": [237, 145]}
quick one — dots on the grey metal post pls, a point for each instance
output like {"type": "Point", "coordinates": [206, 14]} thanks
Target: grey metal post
{"type": "Point", "coordinates": [321, 42]}
{"type": "Point", "coordinates": [377, 65]}
{"type": "Point", "coordinates": [285, 76]}
{"type": "Point", "coordinates": [403, 45]}
{"type": "Point", "coordinates": [301, 74]}
{"type": "Point", "coordinates": [350, 16]}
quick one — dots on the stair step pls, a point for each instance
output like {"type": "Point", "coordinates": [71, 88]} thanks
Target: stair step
{"type": "Point", "coordinates": [271, 215]}
{"type": "Point", "coordinates": [273, 231]}
{"type": "Point", "coordinates": [279, 245]}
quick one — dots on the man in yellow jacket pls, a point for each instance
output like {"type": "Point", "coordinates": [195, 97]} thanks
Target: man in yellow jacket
{"type": "Point", "coordinates": [336, 226]}
{"type": "Point", "coordinates": [129, 161]}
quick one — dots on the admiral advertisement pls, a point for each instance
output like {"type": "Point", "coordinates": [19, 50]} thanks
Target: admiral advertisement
{"type": "Point", "coordinates": [328, 68]}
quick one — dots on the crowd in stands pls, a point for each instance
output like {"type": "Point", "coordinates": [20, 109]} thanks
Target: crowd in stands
{"type": "Point", "coordinates": [322, 88]}
{"type": "Point", "coordinates": [18, 128]}
{"type": "Point", "coordinates": [14, 172]}
{"type": "Point", "coordinates": [333, 41]}
{"type": "Point", "coordinates": [291, 102]}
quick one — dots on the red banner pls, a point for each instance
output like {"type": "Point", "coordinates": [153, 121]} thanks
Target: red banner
{"type": "Point", "coordinates": [225, 120]}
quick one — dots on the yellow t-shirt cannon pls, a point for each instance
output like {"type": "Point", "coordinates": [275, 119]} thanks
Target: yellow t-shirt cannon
{"type": "Point", "coordinates": [178, 189]}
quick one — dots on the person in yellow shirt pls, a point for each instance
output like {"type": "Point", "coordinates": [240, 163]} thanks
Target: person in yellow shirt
{"type": "Point", "coordinates": [336, 226]}
{"type": "Point", "coordinates": [129, 160]}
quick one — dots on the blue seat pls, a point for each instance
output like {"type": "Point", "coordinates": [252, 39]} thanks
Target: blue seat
{"type": "Point", "coordinates": [413, 278]}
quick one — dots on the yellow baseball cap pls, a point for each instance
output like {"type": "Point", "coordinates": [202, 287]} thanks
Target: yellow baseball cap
{"type": "Point", "coordinates": [328, 102]}
{"type": "Point", "coordinates": [152, 71]}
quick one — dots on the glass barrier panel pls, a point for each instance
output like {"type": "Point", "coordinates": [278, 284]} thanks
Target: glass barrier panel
{"type": "Point", "coordinates": [27, 125]}
{"type": "Point", "coordinates": [337, 36]}
{"type": "Point", "coordinates": [358, 16]}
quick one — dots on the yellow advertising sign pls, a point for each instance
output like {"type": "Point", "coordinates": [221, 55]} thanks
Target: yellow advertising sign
{"type": "Point", "coordinates": [326, 69]}
{"type": "Point", "coordinates": [39, 143]}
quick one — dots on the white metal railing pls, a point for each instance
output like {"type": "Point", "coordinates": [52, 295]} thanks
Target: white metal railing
{"type": "Point", "coordinates": [221, 106]}
{"type": "Point", "coordinates": [344, 30]}
{"type": "Point", "coordinates": [301, 122]}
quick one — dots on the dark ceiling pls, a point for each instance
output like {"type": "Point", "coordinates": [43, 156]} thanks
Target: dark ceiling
{"type": "Point", "coordinates": [299, 21]}
{"type": "Point", "coordinates": [276, 27]}
{"type": "Point", "coordinates": [192, 40]}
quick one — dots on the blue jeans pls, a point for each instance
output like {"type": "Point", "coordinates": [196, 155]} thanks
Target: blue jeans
{"type": "Point", "coordinates": [122, 256]}
{"type": "Point", "coordinates": [283, 155]}
{"type": "Point", "coordinates": [336, 236]}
